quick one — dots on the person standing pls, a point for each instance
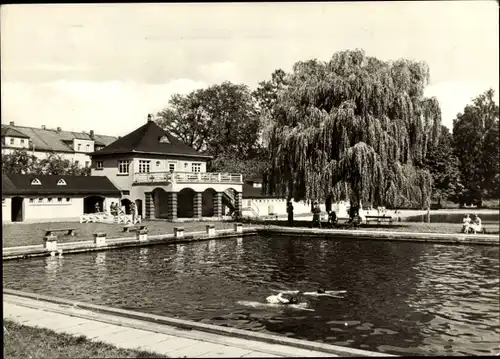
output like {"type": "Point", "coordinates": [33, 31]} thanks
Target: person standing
{"type": "Point", "coordinates": [316, 215]}
{"type": "Point", "coordinates": [289, 210]}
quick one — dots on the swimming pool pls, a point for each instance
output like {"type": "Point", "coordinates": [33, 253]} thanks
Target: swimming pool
{"type": "Point", "coordinates": [402, 297]}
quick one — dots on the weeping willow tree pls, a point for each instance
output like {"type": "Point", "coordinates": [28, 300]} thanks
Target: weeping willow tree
{"type": "Point", "coordinates": [353, 128]}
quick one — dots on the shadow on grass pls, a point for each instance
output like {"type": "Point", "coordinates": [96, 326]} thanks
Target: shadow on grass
{"type": "Point", "coordinates": [21, 341]}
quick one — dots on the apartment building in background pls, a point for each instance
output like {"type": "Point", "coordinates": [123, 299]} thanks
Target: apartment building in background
{"type": "Point", "coordinates": [41, 142]}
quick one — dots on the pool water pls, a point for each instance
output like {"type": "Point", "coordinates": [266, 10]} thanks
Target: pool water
{"type": "Point", "coordinates": [402, 298]}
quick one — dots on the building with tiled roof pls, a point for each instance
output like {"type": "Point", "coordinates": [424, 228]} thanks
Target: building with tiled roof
{"type": "Point", "coordinates": [74, 146]}
{"type": "Point", "coordinates": [166, 178]}
{"type": "Point", "coordinates": [38, 198]}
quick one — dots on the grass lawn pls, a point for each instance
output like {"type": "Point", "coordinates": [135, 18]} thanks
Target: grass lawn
{"type": "Point", "coordinates": [23, 342]}
{"type": "Point", "coordinates": [27, 234]}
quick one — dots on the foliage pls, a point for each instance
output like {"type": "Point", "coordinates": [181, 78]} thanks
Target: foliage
{"type": "Point", "coordinates": [18, 161]}
{"type": "Point", "coordinates": [354, 127]}
{"type": "Point", "coordinates": [21, 161]}
{"type": "Point", "coordinates": [476, 140]}
{"type": "Point", "coordinates": [249, 167]}
{"type": "Point", "coordinates": [220, 119]}
{"type": "Point", "coordinates": [443, 165]}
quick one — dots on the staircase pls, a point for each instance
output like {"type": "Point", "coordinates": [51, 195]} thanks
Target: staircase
{"type": "Point", "coordinates": [229, 199]}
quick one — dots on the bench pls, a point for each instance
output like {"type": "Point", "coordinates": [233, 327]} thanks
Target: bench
{"type": "Point", "coordinates": [379, 219]}
{"type": "Point", "coordinates": [133, 228]}
{"type": "Point", "coordinates": [69, 231]}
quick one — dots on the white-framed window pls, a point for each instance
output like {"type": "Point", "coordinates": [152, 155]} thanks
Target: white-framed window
{"type": "Point", "coordinates": [22, 141]}
{"type": "Point", "coordinates": [68, 199]}
{"type": "Point", "coordinates": [79, 147]}
{"type": "Point", "coordinates": [88, 148]}
{"type": "Point", "coordinates": [123, 166]}
{"type": "Point", "coordinates": [186, 165]}
{"type": "Point", "coordinates": [59, 199]}
{"type": "Point", "coordinates": [49, 199]}
{"type": "Point", "coordinates": [61, 182]}
{"type": "Point", "coordinates": [77, 163]}
{"type": "Point", "coordinates": [11, 141]}
{"type": "Point", "coordinates": [87, 163]}
{"type": "Point", "coordinates": [40, 200]}
{"type": "Point", "coordinates": [3, 201]}
{"type": "Point", "coordinates": [144, 166]}
{"type": "Point", "coordinates": [196, 167]}
{"type": "Point", "coordinates": [171, 167]}
{"type": "Point", "coordinates": [36, 182]}
{"type": "Point", "coordinates": [99, 165]}
{"type": "Point", "coordinates": [32, 200]}
{"type": "Point", "coordinates": [158, 163]}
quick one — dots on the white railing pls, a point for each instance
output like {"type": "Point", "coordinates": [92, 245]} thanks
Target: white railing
{"type": "Point", "coordinates": [188, 177]}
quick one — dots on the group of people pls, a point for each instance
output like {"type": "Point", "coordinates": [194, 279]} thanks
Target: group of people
{"type": "Point", "coordinates": [354, 217]}
{"type": "Point", "coordinates": [472, 225]}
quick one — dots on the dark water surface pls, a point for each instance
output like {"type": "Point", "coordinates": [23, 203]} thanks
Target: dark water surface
{"type": "Point", "coordinates": [402, 298]}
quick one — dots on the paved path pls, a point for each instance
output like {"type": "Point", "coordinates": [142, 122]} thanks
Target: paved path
{"type": "Point", "coordinates": [135, 334]}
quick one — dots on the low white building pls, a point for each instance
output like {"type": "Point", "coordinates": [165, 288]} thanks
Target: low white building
{"type": "Point", "coordinates": [47, 198]}
{"type": "Point", "coordinates": [257, 204]}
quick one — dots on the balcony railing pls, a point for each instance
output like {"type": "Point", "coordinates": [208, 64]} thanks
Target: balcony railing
{"type": "Point", "coordinates": [188, 177]}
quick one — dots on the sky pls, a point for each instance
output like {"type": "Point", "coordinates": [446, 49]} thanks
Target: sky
{"type": "Point", "coordinates": [105, 67]}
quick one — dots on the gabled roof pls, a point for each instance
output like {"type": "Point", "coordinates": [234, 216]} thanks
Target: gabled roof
{"type": "Point", "coordinates": [146, 139]}
{"type": "Point", "coordinates": [11, 132]}
{"type": "Point", "coordinates": [53, 140]}
{"type": "Point", "coordinates": [18, 184]}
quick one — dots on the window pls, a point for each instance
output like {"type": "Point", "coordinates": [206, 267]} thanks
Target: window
{"type": "Point", "coordinates": [22, 142]}
{"type": "Point", "coordinates": [123, 166]}
{"type": "Point", "coordinates": [40, 200]}
{"type": "Point", "coordinates": [3, 200]}
{"type": "Point", "coordinates": [99, 165]}
{"type": "Point", "coordinates": [144, 166]}
{"type": "Point", "coordinates": [49, 200]}
{"type": "Point", "coordinates": [157, 163]}
{"type": "Point", "coordinates": [32, 200]}
{"type": "Point", "coordinates": [196, 167]}
{"type": "Point", "coordinates": [59, 199]}
{"type": "Point", "coordinates": [68, 199]}
{"type": "Point", "coordinates": [126, 193]}
{"type": "Point", "coordinates": [171, 167]}
{"type": "Point", "coordinates": [11, 141]}
{"type": "Point", "coordinates": [87, 164]}
{"type": "Point", "coordinates": [76, 163]}
{"type": "Point", "coordinates": [88, 148]}
{"type": "Point", "coordinates": [61, 182]}
{"type": "Point", "coordinates": [36, 182]}
{"type": "Point", "coordinates": [186, 165]}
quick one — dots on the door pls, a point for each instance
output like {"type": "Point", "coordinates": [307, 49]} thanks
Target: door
{"type": "Point", "coordinates": [17, 209]}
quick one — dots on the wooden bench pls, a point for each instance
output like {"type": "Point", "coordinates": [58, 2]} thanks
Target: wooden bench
{"type": "Point", "coordinates": [69, 231]}
{"type": "Point", "coordinates": [379, 219]}
{"type": "Point", "coordinates": [133, 228]}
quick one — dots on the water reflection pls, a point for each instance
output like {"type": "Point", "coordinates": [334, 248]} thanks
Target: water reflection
{"type": "Point", "coordinates": [403, 298]}
{"type": "Point", "coordinates": [211, 245]}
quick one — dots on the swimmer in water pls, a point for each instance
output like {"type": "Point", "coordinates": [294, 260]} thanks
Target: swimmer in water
{"type": "Point", "coordinates": [320, 292]}
{"type": "Point", "coordinates": [279, 299]}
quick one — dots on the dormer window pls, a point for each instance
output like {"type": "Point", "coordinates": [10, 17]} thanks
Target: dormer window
{"type": "Point", "coordinates": [164, 139]}
{"type": "Point", "coordinates": [36, 182]}
{"type": "Point", "coordinates": [61, 182]}
{"type": "Point", "coordinates": [11, 141]}
{"type": "Point", "coordinates": [79, 147]}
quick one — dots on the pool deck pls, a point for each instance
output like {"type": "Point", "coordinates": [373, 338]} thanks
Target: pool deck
{"type": "Point", "coordinates": [171, 337]}
{"type": "Point", "coordinates": [23, 252]}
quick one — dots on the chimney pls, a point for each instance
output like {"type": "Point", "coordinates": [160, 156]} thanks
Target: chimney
{"type": "Point", "coordinates": [149, 117]}
{"type": "Point", "coordinates": [11, 123]}
{"type": "Point", "coordinates": [43, 127]}
{"type": "Point", "coordinates": [59, 129]}
{"type": "Point", "coordinates": [91, 134]}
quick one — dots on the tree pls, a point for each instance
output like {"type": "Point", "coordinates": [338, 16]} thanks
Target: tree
{"type": "Point", "coordinates": [476, 140]}
{"type": "Point", "coordinates": [18, 161]}
{"type": "Point", "coordinates": [220, 119]}
{"type": "Point", "coordinates": [443, 165]}
{"type": "Point", "coordinates": [354, 127]}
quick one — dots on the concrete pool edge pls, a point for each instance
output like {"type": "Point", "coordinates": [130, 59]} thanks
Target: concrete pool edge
{"type": "Point", "coordinates": [202, 327]}
{"type": "Point", "coordinates": [444, 238]}
{"type": "Point", "coordinates": [25, 252]}
{"type": "Point", "coordinates": [11, 253]}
